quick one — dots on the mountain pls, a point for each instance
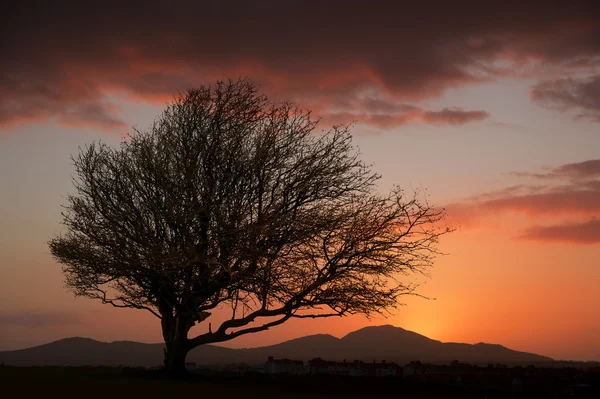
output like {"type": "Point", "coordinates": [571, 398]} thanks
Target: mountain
{"type": "Point", "coordinates": [370, 343]}
{"type": "Point", "coordinates": [88, 352]}
{"type": "Point", "coordinates": [391, 344]}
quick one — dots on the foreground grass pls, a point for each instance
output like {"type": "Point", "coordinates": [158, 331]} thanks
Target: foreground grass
{"type": "Point", "coordinates": [107, 382]}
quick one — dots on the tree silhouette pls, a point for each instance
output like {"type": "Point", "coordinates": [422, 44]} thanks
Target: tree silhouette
{"type": "Point", "coordinates": [231, 201]}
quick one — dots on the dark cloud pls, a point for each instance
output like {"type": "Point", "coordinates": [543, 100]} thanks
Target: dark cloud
{"type": "Point", "coordinates": [579, 233]}
{"type": "Point", "coordinates": [580, 95]}
{"type": "Point", "coordinates": [586, 169]}
{"type": "Point", "coordinates": [72, 102]}
{"type": "Point", "coordinates": [39, 318]}
{"type": "Point", "coordinates": [577, 170]}
{"type": "Point", "coordinates": [56, 55]}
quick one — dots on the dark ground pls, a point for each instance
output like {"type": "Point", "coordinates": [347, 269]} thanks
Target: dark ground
{"type": "Point", "coordinates": [106, 382]}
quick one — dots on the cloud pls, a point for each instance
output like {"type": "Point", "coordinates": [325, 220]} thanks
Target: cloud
{"type": "Point", "coordinates": [572, 202]}
{"type": "Point", "coordinates": [38, 319]}
{"type": "Point", "coordinates": [581, 95]}
{"type": "Point", "coordinates": [586, 169]}
{"type": "Point", "coordinates": [386, 113]}
{"type": "Point", "coordinates": [576, 200]}
{"type": "Point", "coordinates": [97, 114]}
{"type": "Point", "coordinates": [560, 201]}
{"type": "Point", "coordinates": [578, 232]}
{"type": "Point", "coordinates": [61, 56]}
{"type": "Point", "coordinates": [535, 200]}
{"type": "Point", "coordinates": [454, 116]}
{"type": "Point", "coordinates": [578, 170]}
{"type": "Point", "coordinates": [69, 102]}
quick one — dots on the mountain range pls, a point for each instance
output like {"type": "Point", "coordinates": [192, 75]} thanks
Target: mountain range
{"type": "Point", "coordinates": [370, 343]}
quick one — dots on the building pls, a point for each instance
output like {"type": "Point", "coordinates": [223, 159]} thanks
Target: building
{"type": "Point", "coordinates": [320, 366]}
{"type": "Point", "coordinates": [356, 368]}
{"type": "Point", "coordinates": [287, 366]}
{"type": "Point", "coordinates": [413, 370]}
{"type": "Point", "coordinates": [382, 369]}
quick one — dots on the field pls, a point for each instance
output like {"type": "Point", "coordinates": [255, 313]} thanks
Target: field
{"type": "Point", "coordinates": [106, 382]}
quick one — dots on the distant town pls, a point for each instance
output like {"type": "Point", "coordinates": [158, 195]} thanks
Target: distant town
{"type": "Point", "coordinates": [566, 377]}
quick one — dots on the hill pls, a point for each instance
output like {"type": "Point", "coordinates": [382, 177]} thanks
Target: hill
{"type": "Point", "coordinates": [370, 343]}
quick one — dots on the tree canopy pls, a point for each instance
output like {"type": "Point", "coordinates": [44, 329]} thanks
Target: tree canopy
{"type": "Point", "coordinates": [232, 201]}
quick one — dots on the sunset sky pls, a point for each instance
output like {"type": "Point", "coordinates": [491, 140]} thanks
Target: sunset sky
{"type": "Point", "coordinates": [495, 110]}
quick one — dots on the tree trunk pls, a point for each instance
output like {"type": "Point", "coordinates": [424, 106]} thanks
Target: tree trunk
{"type": "Point", "coordinates": [177, 345]}
{"type": "Point", "coordinates": [175, 354]}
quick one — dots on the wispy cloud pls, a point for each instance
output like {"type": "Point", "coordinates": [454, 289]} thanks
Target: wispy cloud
{"type": "Point", "coordinates": [569, 191]}
{"type": "Point", "coordinates": [386, 113]}
{"type": "Point", "coordinates": [577, 232]}
{"type": "Point", "coordinates": [29, 318]}
{"type": "Point", "coordinates": [580, 95]}
{"type": "Point", "coordinates": [577, 170]}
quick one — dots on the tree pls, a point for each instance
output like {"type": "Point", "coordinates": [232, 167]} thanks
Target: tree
{"type": "Point", "coordinates": [231, 201]}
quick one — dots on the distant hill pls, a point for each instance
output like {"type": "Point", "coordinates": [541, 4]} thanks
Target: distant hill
{"type": "Point", "coordinates": [88, 352]}
{"type": "Point", "coordinates": [370, 343]}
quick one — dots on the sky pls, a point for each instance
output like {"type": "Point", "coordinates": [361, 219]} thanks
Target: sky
{"type": "Point", "coordinates": [494, 109]}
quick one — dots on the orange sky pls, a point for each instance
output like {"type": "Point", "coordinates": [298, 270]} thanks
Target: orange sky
{"type": "Point", "coordinates": [495, 112]}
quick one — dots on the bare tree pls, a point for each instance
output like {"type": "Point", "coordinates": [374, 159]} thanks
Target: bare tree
{"type": "Point", "coordinates": [232, 201]}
